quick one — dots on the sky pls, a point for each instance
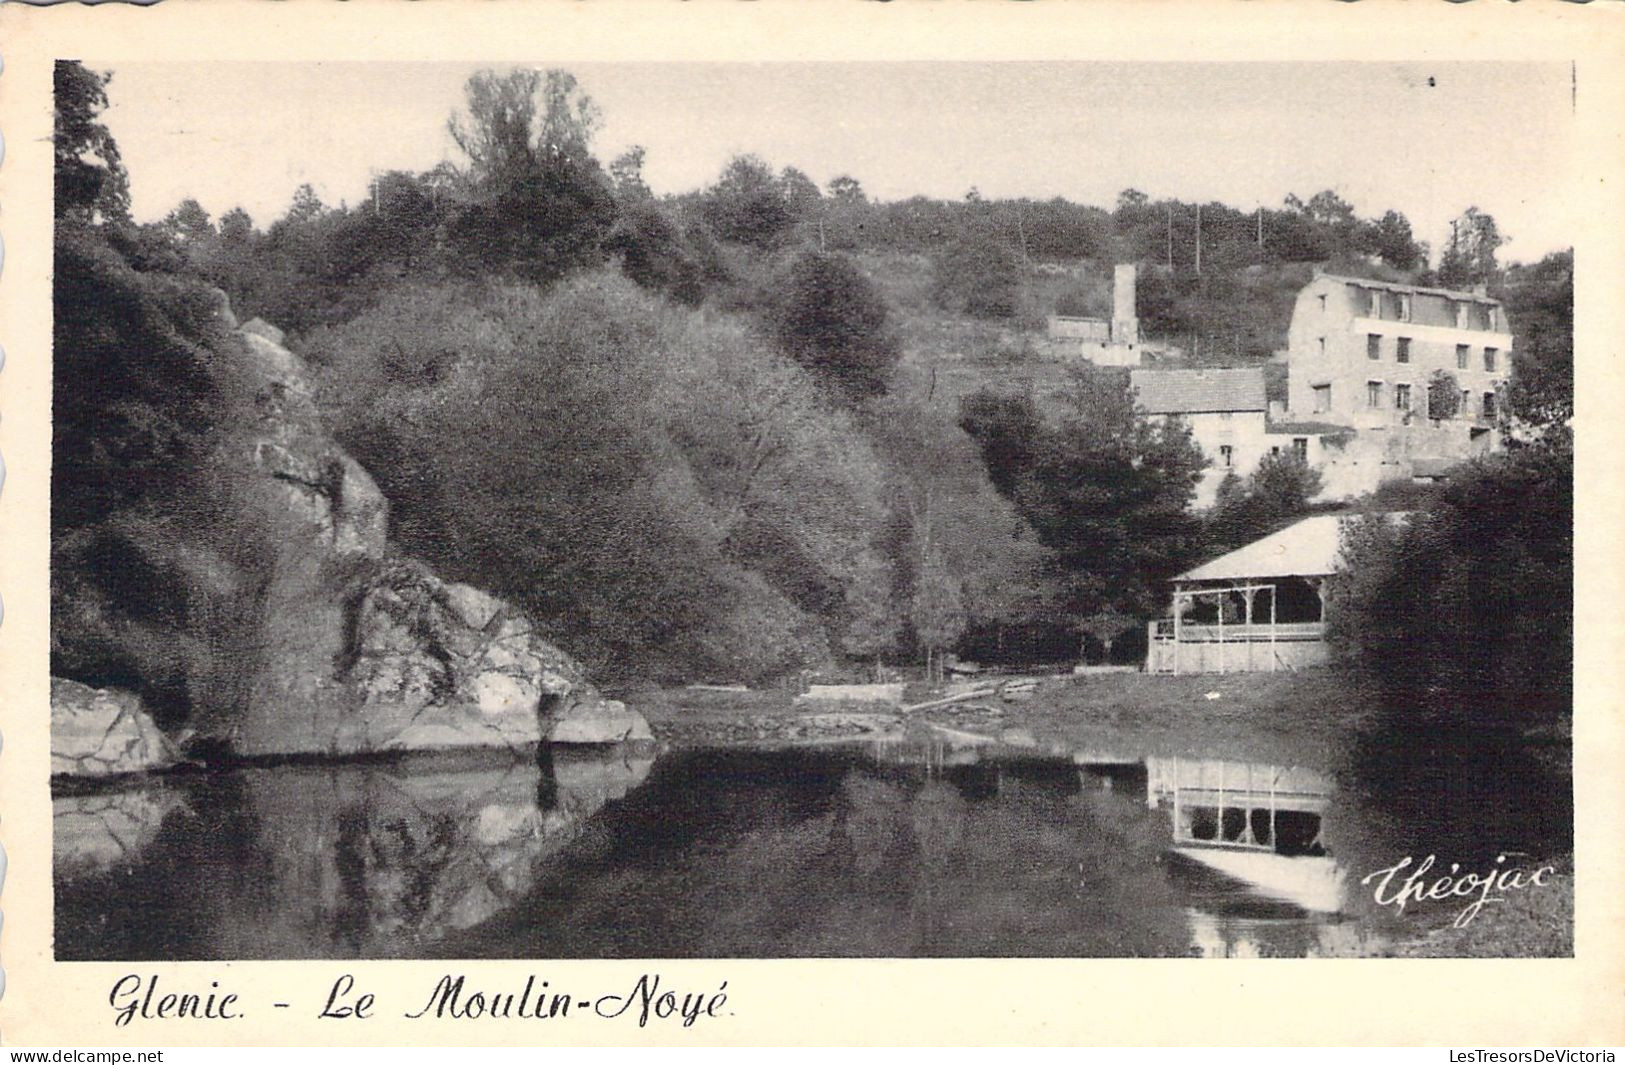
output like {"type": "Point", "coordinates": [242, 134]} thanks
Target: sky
{"type": "Point", "coordinates": [1428, 140]}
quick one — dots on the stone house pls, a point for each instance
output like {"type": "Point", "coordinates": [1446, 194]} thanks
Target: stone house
{"type": "Point", "coordinates": [1225, 410]}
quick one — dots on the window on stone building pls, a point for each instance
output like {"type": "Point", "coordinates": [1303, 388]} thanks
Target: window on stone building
{"type": "Point", "coordinates": [1489, 406]}
{"type": "Point", "coordinates": [1402, 397]}
{"type": "Point", "coordinates": [1404, 306]}
{"type": "Point", "coordinates": [1373, 394]}
{"type": "Point", "coordinates": [1402, 349]}
{"type": "Point", "coordinates": [1227, 455]}
{"type": "Point", "coordinates": [1300, 447]}
{"type": "Point", "coordinates": [1490, 359]}
{"type": "Point", "coordinates": [1373, 303]}
{"type": "Point", "coordinates": [1461, 356]}
{"type": "Point", "coordinates": [1323, 398]}
{"type": "Point", "coordinates": [1373, 346]}
{"type": "Point", "coordinates": [1465, 410]}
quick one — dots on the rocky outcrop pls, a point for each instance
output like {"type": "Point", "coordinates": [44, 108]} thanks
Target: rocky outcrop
{"type": "Point", "coordinates": [599, 721]}
{"type": "Point", "coordinates": [437, 665]}
{"type": "Point", "coordinates": [367, 651]}
{"type": "Point", "coordinates": [100, 733]}
{"type": "Point", "coordinates": [274, 618]}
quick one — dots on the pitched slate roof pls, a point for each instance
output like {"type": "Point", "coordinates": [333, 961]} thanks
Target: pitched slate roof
{"type": "Point", "coordinates": [1198, 391]}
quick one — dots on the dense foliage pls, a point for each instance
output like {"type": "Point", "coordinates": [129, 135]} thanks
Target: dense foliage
{"type": "Point", "coordinates": [1105, 491]}
{"type": "Point", "coordinates": [155, 541]}
{"type": "Point", "coordinates": [1463, 612]}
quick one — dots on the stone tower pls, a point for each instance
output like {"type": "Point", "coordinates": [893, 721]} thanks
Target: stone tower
{"type": "Point", "coordinates": [1125, 321]}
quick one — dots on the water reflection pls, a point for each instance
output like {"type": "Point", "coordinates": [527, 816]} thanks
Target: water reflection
{"type": "Point", "coordinates": [1260, 825]}
{"type": "Point", "coordinates": [933, 846]}
{"type": "Point", "coordinates": [339, 861]}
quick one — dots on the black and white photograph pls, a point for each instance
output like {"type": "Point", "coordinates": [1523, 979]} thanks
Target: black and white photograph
{"type": "Point", "coordinates": [782, 510]}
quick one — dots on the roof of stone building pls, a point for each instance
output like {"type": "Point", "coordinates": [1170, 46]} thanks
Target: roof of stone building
{"type": "Point", "coordinates": [1198, 391]}
{"type": "Point", "coordinates": [1395, 286]}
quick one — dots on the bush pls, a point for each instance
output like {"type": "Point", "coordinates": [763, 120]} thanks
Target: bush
{"type": "Point", "coordinates": [978, 277]}
{"type": "Point", "coordinates": [831, 320]}
{"type": "Point", "coordinates": [669, 498]}
{"type": "Point", "coordinates": [158, 543]}
{"type": "Point", "coordinates": [1464, 612]}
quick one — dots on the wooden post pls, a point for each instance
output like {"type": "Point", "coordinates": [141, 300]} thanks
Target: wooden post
{"type": "Point", "coordinates": [1273, 655]}
{"type": "Point", "coordinates": [1177, 616]}
{"type": "Point", "coordinates": [1247, 596]}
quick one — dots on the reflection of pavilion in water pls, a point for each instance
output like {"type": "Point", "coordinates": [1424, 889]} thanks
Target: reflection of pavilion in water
{"type": "Point", "coordinates": [1257, 824]}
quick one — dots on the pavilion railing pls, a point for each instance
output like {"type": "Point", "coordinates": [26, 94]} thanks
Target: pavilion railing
{"type": "Point", "coordinates": [1189, 633]}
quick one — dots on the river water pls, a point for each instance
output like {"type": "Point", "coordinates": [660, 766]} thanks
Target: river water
{"type": "Point", "coordinates": [926, 847]}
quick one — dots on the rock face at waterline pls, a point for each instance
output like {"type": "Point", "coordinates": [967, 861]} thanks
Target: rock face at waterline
{"type": "Point", "coordinates": [284, 623]}
{"type": "Point", "coordinates": [604, 721]}
{"type": "Point", "coordinates": [99, 733]}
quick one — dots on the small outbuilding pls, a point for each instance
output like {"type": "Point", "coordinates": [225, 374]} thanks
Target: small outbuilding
{"type": "Point", "coordinates": [1258, 608]}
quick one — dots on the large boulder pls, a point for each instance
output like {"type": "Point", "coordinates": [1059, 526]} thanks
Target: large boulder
{"type": "Point", "coordinates": [599, 721]}
{"type": "Point", "coordinates": [435, 665]}
{"type": "Point", "coordinates": [99, 733]}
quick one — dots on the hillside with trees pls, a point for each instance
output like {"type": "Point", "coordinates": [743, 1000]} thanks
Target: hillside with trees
{"type": "Point", "coordinates": [748, 430]}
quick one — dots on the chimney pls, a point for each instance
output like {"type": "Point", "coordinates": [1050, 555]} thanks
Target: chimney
{"type": "Point", "coordinates": [1125, 320]}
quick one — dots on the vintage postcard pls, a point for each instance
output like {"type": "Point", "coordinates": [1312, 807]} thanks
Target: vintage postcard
{"type": "Point", "coordinates": [840, 523]}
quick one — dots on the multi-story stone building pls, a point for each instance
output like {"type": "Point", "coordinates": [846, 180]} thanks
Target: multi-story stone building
{"type": "Point", "coordinates": [1362, 352]}
{"type": "Point", "coordinates": [1418, 374]}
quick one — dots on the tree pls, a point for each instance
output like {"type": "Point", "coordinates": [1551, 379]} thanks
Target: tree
{"type": "Point", "coordinates": [936, 612]}
{"type": "Point", "coordinates": [189, 223]}
{"type": "Point", "coordinates": [1469, 255]}
{"type": "Point", "coordinates": [307, 206]}
{"type": "Point", "coordinates": [236, 227]}
{"type": "Point", "coordinates": [800, 192]}
{"type": "Point", "coordinates": [1444, 395]}
{"type": "Point", "coordinates": [831, 319]}
{"type": "Point", "coordinates": [1007, 428]}
{"type": "Point", "coordinates": [90, 181]}
{"type": "Point", "coordinates": [1276, 493]}
{"type": "Point", "coordinates": [977, 276]}
{"type": "Point", "coordinates": [846, 189]}
{"type": "Point", "coordinates": [748, 205]}
{"type": "Point", "coordinates": [653, 253]}
{"type": "Point", "coordinates": [1105, 490]}
{"type": "Point", "coordinates": [536, 202]}
{"type": "Point", "coordinates": [1463, 614]}
{"type": "Point", "coordinates": [1391, 239]}
{"type": "Point", "coordinates": [626, 173]}
{"type": "Point", "coordinates": [1540, 304]}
